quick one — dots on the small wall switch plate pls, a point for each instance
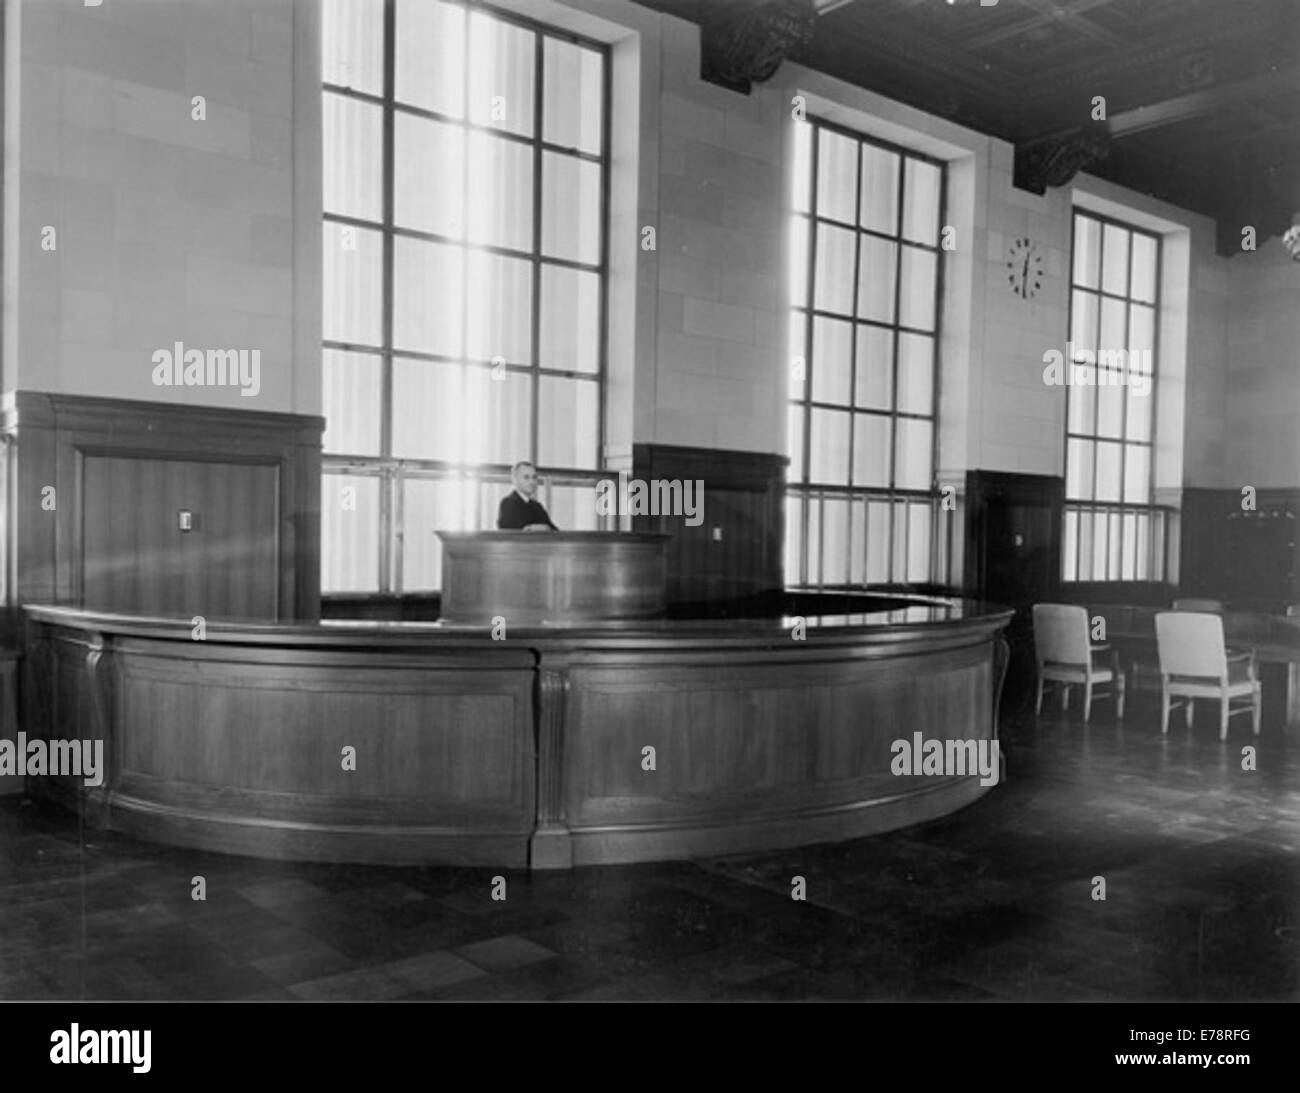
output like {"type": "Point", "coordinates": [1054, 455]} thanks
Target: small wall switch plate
{"type": "Point", "coordinates": [185, 520]}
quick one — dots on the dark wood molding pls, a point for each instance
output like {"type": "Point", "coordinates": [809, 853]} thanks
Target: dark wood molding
{"type": "Point", "coordinates": [57, 439]}
{"type": "Point", "coordinates": [743, 42]}
{"type": "Point", "coordinates": [1054, 161]}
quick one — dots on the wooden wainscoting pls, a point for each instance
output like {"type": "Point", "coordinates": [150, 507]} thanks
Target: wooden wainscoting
{"type": "Point", "coordinates": [1248, 558]}
{"type": "Point", "coordinates": [99, 486]}
{"type": "Point", "coordinates": [737, 551]}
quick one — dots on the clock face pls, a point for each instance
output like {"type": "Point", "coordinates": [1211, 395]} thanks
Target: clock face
{"type": "Point", "coordinates": [1024, 268]}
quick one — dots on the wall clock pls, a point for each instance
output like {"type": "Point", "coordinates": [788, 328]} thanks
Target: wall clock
{"type": "Point", "coordinates": [1025, 268]}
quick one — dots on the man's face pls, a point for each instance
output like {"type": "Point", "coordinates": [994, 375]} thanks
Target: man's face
{"type": "Point", "coordinates": [526, 480]}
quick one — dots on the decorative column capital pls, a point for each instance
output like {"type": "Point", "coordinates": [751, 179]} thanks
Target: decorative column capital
{"type": "Point", "coordinates": [1054, 161]}
{"type": "Point", "coordinates": [744, 41]}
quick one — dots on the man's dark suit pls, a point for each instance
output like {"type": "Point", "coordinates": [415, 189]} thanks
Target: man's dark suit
{"type": "Point", "coordinates": [516, 513]}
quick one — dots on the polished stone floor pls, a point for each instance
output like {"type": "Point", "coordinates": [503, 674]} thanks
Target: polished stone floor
{"type": "Point", "coordinates": [1201, 862]}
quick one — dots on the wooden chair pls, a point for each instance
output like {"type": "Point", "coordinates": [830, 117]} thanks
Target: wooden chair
{"type": "Point", "coordinates": [1195, 664]}
{"type": "Point", "coordinates": [1066, 655]}
{"type": "Point", "coordinates": [1214, 607]}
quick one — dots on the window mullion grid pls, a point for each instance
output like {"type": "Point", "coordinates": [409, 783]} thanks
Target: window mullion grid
{"type": "Point", "coordinates": [389, 532]}
{"type": "Point", "coordinates": [810, 298]}
{"type": "Point", "coordinates": [903, 176]}
{"type": "Point", "coordinates": [535, 334]}
{"type": "Point", "coordinates": [853, 345]}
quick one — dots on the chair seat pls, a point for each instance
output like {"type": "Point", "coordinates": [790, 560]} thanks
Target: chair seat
{"type": "Point", "coordinates": [1205, 688]}
{"type": "Point", "coordinates": [1077, 673]}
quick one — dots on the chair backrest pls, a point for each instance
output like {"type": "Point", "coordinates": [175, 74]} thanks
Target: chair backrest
{"type": "Point", "coordinates": [1215, 607]}
{"type": "Point", "coordinates": [1293, 611]}
{"type": "Point", "coordinates": [1061, 633]}
{"type": "Point", "coordinates": [1191, 644]}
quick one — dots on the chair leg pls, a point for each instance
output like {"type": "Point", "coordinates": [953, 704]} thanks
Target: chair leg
{"type": "Point", "coordinates": [1223, 717]}
{"type": "Point", "coordinates": [1065, 697]}
{"type": "Point", "coordinates": [1087, 700]}
{"type": "Point", "coordinates": [1038, 702]}
{"type": "Point", "coordinates": [1164, 707]}
{"type": "Point", "coordinates": [1119, 696]}
{"type": "Point", "coordinates": [1256, 710]}
{"type": "Point", "coordinates": [1191, 709]}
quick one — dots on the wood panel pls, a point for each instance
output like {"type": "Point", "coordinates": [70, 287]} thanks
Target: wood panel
{"type": "Point", "coordinates": [1248, 558]}
{"type": "Point", "coordinates": [737, 552]}
{"type": "Point", "coordinates": [256, 478]}
{"type": "Point", "coordinates": [135, 557]}
{"type": "Point", "coordinates": [523, 751]}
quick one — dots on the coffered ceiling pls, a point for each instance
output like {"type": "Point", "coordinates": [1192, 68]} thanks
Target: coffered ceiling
{"type": "Point", "coordinates": [1202, 97]}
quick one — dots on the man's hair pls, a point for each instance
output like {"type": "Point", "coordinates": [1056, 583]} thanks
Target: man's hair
{"type": "Point", "coordinates": [523, 463]}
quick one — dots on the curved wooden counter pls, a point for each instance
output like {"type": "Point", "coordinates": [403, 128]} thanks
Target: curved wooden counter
{"type": "Point", "coordinates": [552, 577]}
{"type": "Point", "coordinates": [526, 751]}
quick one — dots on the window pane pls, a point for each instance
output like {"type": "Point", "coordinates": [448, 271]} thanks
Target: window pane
{"type": "Point", "coordinates": [1070, 547]}
{"type": "Point", "coordinates": [1112, 326]}
{"type": "Point", "coordinates": [429, 416]}
{"type": "Point", "coordinates": [917, 298]}
{"type": "Point", "coordinates": [352, 145]}
{"type": "Point", "coordinates": [1114, 257]}
{"type": "Point", "coordinates": [349, 533]}
{"type": "Point", "coordinates": [832, 369]}
{"type": "Point", "coordinates": [1087, 251]}
{"type": "Point", "coordinates": [571, 204]}
{"type": "Point", "coordinates": [814, 552]}
{"type": "Point", "coordinates": [1110, 403]}
{"type": "Point", "coordinates": [918, 542]}
{"type": "Point", "coordinates": [1078, 470]}
{"type": "Point", "coordinates": [501, 59]}
{"type": "Point", "coordinates": [353, 284]}
{"type": "Point", "coordinates": [1108, 479]}
{"type": "Point", "coordinates": [871, 450]}
{"type": "Point", "coordinates": [879, 190]}
{"type": "Point", "coordinates": [921, 202]}
{"type": "Point", "coordinates": [428, 175]}
{"type": "Point", "coordinates": [858, 540]}
{"type": "Point", "coordinates": [1083, 322]}
{"type": "Point", "coordinates": [428, 284]}
{"type": "Point", "coordinates": [497, 413]}
{"type": "Point", "coordinates": [912, 454]}
{"type": "Point", "coordinates": [875, 368]}
{"type": "Point", "coordinates": [573, 90]}
{"type": "Point", "coordinates": [500, 192]}
{"type": "Point", "coordinates": [499, 308]}
{"type": "Point", "coordinates": [569, 424]}
{"type": "Point", "coordinates": [431, 505]}
{"type": "Point", "coordinates": [573, 508]}
{"type": "Point", "coordinates": [352, 44]}
{"type": "Point", "coordinates": [1082, 408]}
{"type": "Point", "coordinates": [837, 176]}
{"type": "Point", "coordinates": [1138, 413]}
{"type": "Point", "coordinates": [835, 540]}
{"type": "Point", "coordinates": [430, 56]}
{"type": "Point", "coordinates": [794, 516]}
{"type": "Point", "coordinates": [351, 389]}
{"type": "Point", "coordinates": [1144, 268]}
{"type": "Point", "coordinates": [829, 447]}
{"type": "Point", "coordinates": [1128, 537]}
{"type": "Point", "coordinates": [880, 523]}
{"type": "Point", "coordinates": [876, 276]}
{"type": "Point", "coordinates": [833, 276]}
{"type": "Point", "coordinates": [915, 374]}
{"type": "Point", "coordinates": [570, 320]}
{"type": "Point", "coordinates": [1137, 474]}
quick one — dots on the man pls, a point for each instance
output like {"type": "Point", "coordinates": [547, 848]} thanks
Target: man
{"type": "Point", "coordinates": [520, 509]}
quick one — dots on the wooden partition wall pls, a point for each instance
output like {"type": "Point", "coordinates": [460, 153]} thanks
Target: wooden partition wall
{"type": "Point", "coordinates": [96, 490]}
{"type": "Point", "coordinates": [737, 551]}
